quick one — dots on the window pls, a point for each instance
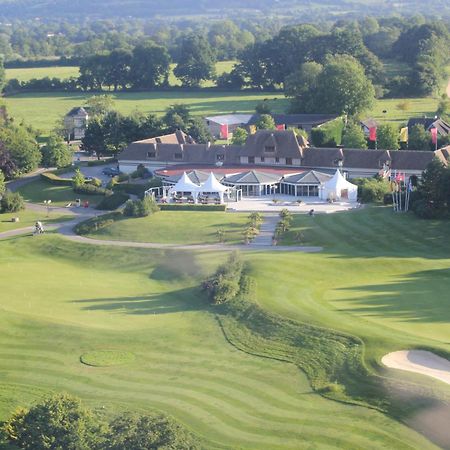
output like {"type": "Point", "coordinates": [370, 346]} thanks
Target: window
{"type": "Point", "coordinates": [263, 159]}
{"type": "Point", "coordinates": [289, 161]}
{"type": "Point", "coordinates": [269, 148]}
{"type": "Point", "coordinates": [220, 157]}
{"type": "Point", "coordinates": [251, 160]}
{"type": "Point", "coordinates": [277, 160]}
{"type": "Point", "coordinates": [178, 156]}
{"type": "Point", "coordinates": [151, 155]}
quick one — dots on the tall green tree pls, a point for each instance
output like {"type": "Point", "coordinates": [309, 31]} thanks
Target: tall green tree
{"type": "Point", "coordinates": [56, 153]}
{"type": "Point", "coordinates": [99, 105]}
{"type": "Point", "coordinates": [265, 122]}
{"type": "Point", "coordinates": [419, 138]}
{"type": "Point", "coordinates": [354, 136]}
{"type": "Point", "coordinates": [2, 183]}
{"type": "Point", "coordinates": [240, 136]}
{"type": "Point", "coordinates": [388, 137]}
{"type": "Point", "coordinates": [150, 64]}
{"type": "Point", "coordinates": [2, 74]}
{"type": "Point", "coordinates": [196, 62]}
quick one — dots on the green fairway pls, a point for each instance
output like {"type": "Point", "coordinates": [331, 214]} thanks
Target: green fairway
{"type": "Point", "coordinates": [63, 300]}
{"type": "Point", "coordinates": [26, 74]}
{"type": "Point", "coordinates": [39, 191]}
{"type": "Point", "coordinates": [43, 110]}
{"type": "Point", "coordinates": [178, 227]}
{"type": "Point", "coordinates": [28, 218]}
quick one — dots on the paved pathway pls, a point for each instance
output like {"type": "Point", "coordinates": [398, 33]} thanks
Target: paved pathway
{"type": "Point", "coordinates": [267, 230]}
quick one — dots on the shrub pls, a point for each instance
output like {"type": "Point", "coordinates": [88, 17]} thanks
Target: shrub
{"type": "Point", "coordinates": [372, 189]}
{"type": "Point", "coordinates": [97, 223]}
{"type": "Point", "coordinates": [112, 202]}
{"type": "Point", "coordinates": [96, 182]}
{"type": "Point", "coordinates": [52, 178]}
{"type": "Point", "coordinates": [140, 208]}
{"type": "Point", "coordinates": [11, 202]}
{"type": "Point", "coordinates": [78, 179]}
{"type": "Point", "coordinates": [122, 177]}
{"type": "Point", "coordinates": [90, 189]}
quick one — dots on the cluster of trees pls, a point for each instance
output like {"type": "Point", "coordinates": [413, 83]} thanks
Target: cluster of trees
{"type": "Point", "coordinates": [431, 200]}
{"type": "Point", "coordinates": [63, 422]}
{"type": "Point", "coordinates": [109, 132]}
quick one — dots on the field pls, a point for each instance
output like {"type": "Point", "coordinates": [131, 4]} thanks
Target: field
{"type": "Point", "coordinates": [39, 191]}
{"type": "Point", "coordinates": [180, 227]}
{"type": "Point", "coordinates": [76, 299]}
{"type": "Point", "coordinates": [43, 110]}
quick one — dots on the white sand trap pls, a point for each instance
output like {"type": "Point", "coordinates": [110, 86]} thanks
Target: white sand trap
{"type": "Point", "coordinates": [419, 361]}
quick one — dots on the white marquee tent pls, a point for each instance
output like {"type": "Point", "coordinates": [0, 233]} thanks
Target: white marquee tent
{"type": "Point", "coordinates": [338, 188]}
{"type": "Point", "coordinates": [185, 185]}
{"type": "Point", "coordinates": [213, 186]}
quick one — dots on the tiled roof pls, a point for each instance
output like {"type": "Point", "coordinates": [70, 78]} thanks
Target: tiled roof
{"type": "Point", "coordinates": [252, 177]}
{"type": "Point", "coordinates": [79, 110]}
{"type": "Point", "coordinates": [309, 177]}
{"type": "Point", "coordinates": [430, 122]}
{"type": "Point", "coordinates": [285, 144]}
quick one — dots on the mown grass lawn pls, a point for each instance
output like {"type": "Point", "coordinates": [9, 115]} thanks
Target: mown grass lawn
{"type": "Point", "coordinates": [28, 73]}
{"type": "Point", "coordinates": [39, 191]}
{"type": "Point", "coordinates": [28, 218]}
{"type": "Point", "coordinates": [62, 300]}
{"type": "Point", "coordinates": [180, 227]}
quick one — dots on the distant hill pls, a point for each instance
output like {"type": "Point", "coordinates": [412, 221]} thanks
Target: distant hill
{"type": "Point", "coordinates": [179, 9]}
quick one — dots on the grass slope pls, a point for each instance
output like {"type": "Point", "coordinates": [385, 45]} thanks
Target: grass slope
{"type": "Point", "coordinates": [28, 73]}
{"type": "Point", "coordinates": [180, 227]}
{"type": "Point", "coordinates": [38, 191]}
{"type": "Point", "coordinates": [62, 300]}
{"type": "Point", "coordinates": [28, 218]}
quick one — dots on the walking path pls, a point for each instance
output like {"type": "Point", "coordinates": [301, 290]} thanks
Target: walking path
{"type": "Point", "coordinates": [267, 230]}
{"type": "Point", "coordinates": [419, 361]}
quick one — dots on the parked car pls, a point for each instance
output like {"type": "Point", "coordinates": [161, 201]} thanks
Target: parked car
{"type": "Point", "coordinates": [110, 171]}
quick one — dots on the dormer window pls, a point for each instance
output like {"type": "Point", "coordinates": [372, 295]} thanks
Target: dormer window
{"type": "Point", "coordinates": [220, 157]}
{"type": "Point", "coordinates": [178, 155]}
{"type": "Point", "coordinates": [151, 154]}
{"type": "Point", "coordinates": [269, 149]}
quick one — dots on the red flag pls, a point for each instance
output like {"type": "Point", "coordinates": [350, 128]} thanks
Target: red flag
{"type": "Point", "coordinates": [224, 131]}
{"type": "Point", "coordinates": [281, 127]}
{"type": "Point", "coordinates": [373, 134]}
{"type": "Point", "coordinates": [434, 135]}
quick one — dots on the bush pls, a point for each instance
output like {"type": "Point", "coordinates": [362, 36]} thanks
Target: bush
{"type": "Point", "coordinates": [112, 202]}
{"type": "Point", "coordinates": [11, 202]}
{"type": "Point", "coordinates": [90, 189]}
{"type": "Point", "coordinates": [140, 208]}
{"type": "Point", "coordinates": [189, 207]}
{"type": "Point", "coordinates": [52, 178]}
{"type": "Point", "coordinates": [372, 189]}
{"type": "Point", "coordinates": [427, 210]}
{"type": "Point", "coordinates": [95, 182]}
{"type": "Point", "coordinates": [97, 223]}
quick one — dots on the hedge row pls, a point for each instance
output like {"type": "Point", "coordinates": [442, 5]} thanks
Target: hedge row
{"type": "Point", "coordinates": [52, 178]}
{"type": "Point", "coordinates": [112, 202]}
{"type": "Point", "coordinates": [96, 223]}
{"type": "Point", "coordinates": [101, 162]}
{"type": "Point", "coordinates": [187, 207]}
{"type": "Point", "coordinates": [90, 189]}
{"type": "Point", "coordinates": [132, 189]}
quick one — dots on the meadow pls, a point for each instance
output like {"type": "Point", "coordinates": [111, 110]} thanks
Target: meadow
{"type": "Point", "coordinates": [141, 319]}
{"type": "Point", "coordinates": [28, 218]}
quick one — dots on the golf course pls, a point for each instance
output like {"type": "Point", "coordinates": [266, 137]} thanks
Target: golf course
{"type": "Point", "coordinates": [131, 329]}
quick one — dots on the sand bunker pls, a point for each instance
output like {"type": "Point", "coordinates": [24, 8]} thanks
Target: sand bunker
{"type": "Point", "coordinates": [419, 361]}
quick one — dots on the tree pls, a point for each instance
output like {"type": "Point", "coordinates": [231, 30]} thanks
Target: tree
{"type": "Point", "coordinates": [20, 143]}
{"type": "Point", "coordinates": [143, 432]}
{"type": "Point", "coordinates": [99, 105]}
{"type": "Point", "coordinates": [343, 87]}
{"type": "Point", "coordinates": [78, 179]}
{"type": "Point", "coordinates": [93, 141]}
{"type": "Point", "coordinates": [263, 107]}
{"type": "Point", "coordinates": [56, 153]}
{"type": "Point", "coordinates": [150, 66]}
{"type": "Point", "coordinates": [198, 131]}
{"type": "Point", "coordinates": [11, 202]}
{"type": "Point", "coordinates": [388, 137]}
{"type": "Point", "coordinates": [2, 74]}
{"type": "Point", "coordinates": [2, 183]}
{"type": "Point", "coordinates": [265, 122]}
{"type": "Point", "coordinates": [197, 61]}
{"type": "Point", "coordinates": [177, 117]}
{"type": "Point", "coordinates": [7, 164]}
{"type": "Point", "coordinates": [58, 422]}
{"type": "Point", "coordinates": [443, 109]}
{"type": "Point", "coordinates": [240, 136]}
{"type": "Point", "coordinates": [118, 68]}
{"type": "Point", "coordinates": [354, 137]}
{"type": "Point", "coordinates": [419, 138]}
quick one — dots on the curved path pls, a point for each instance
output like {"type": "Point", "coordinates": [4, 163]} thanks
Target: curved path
{"type": "Point", "coordinates": [80, 215]}
{"type": "Point", "coordinates": [419, 361]}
